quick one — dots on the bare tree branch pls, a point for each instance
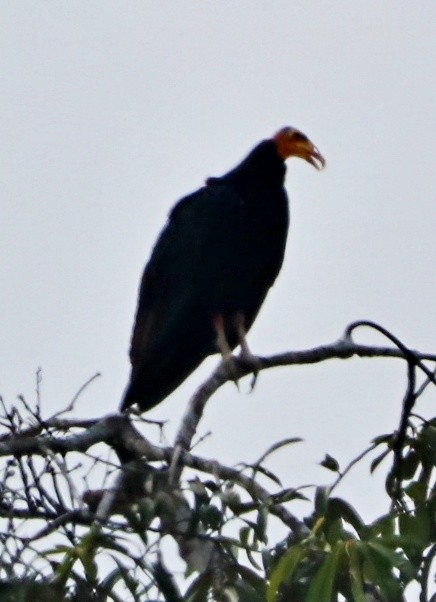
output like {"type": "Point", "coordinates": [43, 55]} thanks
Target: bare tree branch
{"type": "Point", "coordinates": [344, 348]}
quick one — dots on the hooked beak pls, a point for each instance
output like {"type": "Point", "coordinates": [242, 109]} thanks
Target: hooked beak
{"type": "Point", "coordinates": [308, 151]}
{"type": "Point", "coordinates": [293, 143]}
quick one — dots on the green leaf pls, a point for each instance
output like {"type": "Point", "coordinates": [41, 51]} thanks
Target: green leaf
{"type": "Point", "coordinates": [252, 559]}
{"type": "Point", "coordinates": [383, 439]}
{"type": "Point", "coordinates": [268, 473]}
{"type": "Point", "coordinates": [26, 590]}
{"type": "Point", "coordinates": [379, 569]}
{"type": "Point", "coordinates": [125, 574]}
{"type": "Point", "coordinates": [384, 526]}
{"type": "Point", "coordinates": [287, 495]}
{"type": "Point", "coordinates": [355, 570]}
{"type": "Point", "coordinates": [378, 460]}
{"type": "Point", "coordinates": [321, 588]}
{"type": "Point", "coordinates": [395, 559]}
{"type": "Point", "coordinates": [89, 565]}
{"type": "Point", "coordinates": [230, 497]}
{"type": "Point", "coordinates": [200, 491]}
{"type": "Point", "coordinates": [199, 589]}
{"type": "Point", "coordinates": [147, 511]}
{"type": "Point", "coordinates": [409, 465]}
{"type": "Point", "coordinates": [210, 516]}
{"type": "Point", "coordinates": [428, 437]}
{"type": "Point", "coordinates": [417, 492]}
{"type": "Point", "coordinates": [63, 570]}
{"type": "Point", "coordinates": [261, 524]}
{"type": "Point", "coordinates": [334, 531]}
{"type": "Point", "coordinates": [330, 463]}
{"type": "Point", "coordinates": [244, 533]}
{"type": "Point", "coordinates": [321, 499]}
{"type": "Point", "coordinates": [166, 582]}
{"type": "Point", "coordinates": [416, 528]}
{"type": "Point", "coordinates": [248, 593]}
{"type": "Point", "coordinates": [284, 570]}
{"type": "Point", "coordinates": [212, 486]}
{"type": "Point", "coordinates": [253, 579]}
{"type": "Point", "coordinates": [390, 557]}
{"type": "Point", "coordinates": [339, 508]}
{"type": "Point", "coordinates": [277, 446]}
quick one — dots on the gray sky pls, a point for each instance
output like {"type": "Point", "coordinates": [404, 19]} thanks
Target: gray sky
{"type": "Point", "coordinates": [112, 111]}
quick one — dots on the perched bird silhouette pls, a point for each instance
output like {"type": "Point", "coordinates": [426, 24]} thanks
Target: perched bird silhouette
{"type": "Point", "coordinates": [211, 269]}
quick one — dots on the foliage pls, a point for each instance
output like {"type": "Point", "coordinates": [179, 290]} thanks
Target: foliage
{"type": "Point", "coordinates": [60, 543]}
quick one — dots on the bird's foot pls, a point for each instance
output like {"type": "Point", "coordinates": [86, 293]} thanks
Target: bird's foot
{"type": "Point", "coordinates": [246, 358]}
{"type": "Point", "coordinates": [231, 368]}
{"type": "Point", "coordinates": [229, 362]}
{"type": "Point", "coordinates": [250, 361]}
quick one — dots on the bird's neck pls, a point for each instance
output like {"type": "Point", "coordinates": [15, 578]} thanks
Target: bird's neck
{"type": "Point", "coordinates": [262, 167]}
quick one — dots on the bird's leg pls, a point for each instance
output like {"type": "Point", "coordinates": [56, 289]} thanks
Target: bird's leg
{"type": "Point", "coordinates": [224, 347]}
{"type": "Point", "coordinates": [239, 323]}
{"type": "Point", "coordinates": [221, 339]}
{"type": "Point", "coordinates": [245, 354]}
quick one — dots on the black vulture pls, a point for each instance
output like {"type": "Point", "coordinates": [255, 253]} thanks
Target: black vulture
{"type": "Point", "coordinates": [211, 269]}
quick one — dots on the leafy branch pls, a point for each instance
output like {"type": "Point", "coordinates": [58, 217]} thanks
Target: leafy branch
{"type": "Point", "coordinates": [218, 515]}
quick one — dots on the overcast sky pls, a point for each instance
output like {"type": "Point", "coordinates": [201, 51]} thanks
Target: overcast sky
{"type": "Point", "coordinates": [111, 111]}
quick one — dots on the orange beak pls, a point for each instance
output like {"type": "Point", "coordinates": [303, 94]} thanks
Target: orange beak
{"type": "Point", "coordinates": [311, 154]}
{"type": "Point", "coordinates": [292, 143]}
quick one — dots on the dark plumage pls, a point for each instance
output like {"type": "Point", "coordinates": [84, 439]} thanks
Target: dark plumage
{"type": "Point", "coordinates": [211, 269]}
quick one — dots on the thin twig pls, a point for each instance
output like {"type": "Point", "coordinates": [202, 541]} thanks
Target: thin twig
{"type": "Point", "coordinates": [351, 464]}
{"type": "Point", "coordinates": [70, 406]}
{"type": "Point", "coordinates": [410, 355]}
{"type": "Point", "coordinates": [400, 438]}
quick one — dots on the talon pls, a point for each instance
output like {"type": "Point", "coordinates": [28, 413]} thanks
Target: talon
{"type": "Point", "coordinates": [252, 362]}
{"type": "Point", "coordinates": [245, 355]}
{"type": "Point", "coordinates": [232, 369]}
{"type": "Point", "coordinates": [253, 380]}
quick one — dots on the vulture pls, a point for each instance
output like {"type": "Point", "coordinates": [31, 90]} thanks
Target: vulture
{"type": "Point", "coordinates": [211, 268]}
